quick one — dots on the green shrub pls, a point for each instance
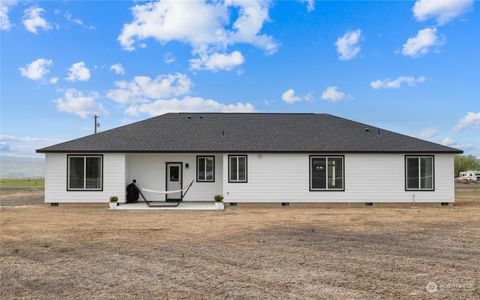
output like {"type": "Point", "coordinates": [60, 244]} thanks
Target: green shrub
{"type": "Point", "coordinates": [114, 199]}
{"type": "Point", "coordinates": [218, 198]}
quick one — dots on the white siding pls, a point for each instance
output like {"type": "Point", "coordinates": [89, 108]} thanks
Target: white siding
{"type": "Point", "coordinates": [149, 171]}
{"type": "Point", "coordinates": [56, 180]}
{"type": "Point", "coordinates": [368, 178]}
{"type": "Point", "coordinates": [271, 178]}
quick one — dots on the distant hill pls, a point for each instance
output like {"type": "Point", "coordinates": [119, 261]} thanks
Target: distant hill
{"type": "Point", "coordinates": [21, 167]}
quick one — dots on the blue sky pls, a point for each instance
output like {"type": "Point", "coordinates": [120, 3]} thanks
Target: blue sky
{"type": "Point", "coordinates": [410, 67]}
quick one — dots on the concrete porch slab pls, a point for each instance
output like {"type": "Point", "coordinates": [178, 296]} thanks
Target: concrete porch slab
{"type": "Point", "coordinates": [182, 206]}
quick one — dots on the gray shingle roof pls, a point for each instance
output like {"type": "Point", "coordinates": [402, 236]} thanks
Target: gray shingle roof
{"type": "Point", "coordinates": [248, 132]}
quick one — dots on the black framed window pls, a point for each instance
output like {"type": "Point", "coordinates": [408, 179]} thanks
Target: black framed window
{"type": "Point", "coordinates": [84, 172]}
{"type": "Point", "coordinates": [419, 173]}
{"type": "Point", "coordinates": [237, 168]}
{"type": "Point", "coordinates": [205, 168]}
{"type": "Point", "coordinates": [327, 173]}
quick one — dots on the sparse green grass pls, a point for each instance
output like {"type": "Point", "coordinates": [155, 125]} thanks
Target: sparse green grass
{"type": "Point", "coordinates": [21, 182]}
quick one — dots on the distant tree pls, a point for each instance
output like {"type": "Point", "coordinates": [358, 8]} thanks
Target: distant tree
{"type": "Point", "coordinates": [466, 163]}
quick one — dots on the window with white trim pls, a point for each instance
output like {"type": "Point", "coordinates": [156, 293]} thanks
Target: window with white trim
{"type": "Point", "coordinates": [237, 168]}
{"type": "Point", "coordinates": [205, 168]}
{"type": "Point", "coordinates": [419, 173]}
{"type": "Point", "coordinates": [84, 173]}
{"type": "Point", "coordinates": [326, 173]}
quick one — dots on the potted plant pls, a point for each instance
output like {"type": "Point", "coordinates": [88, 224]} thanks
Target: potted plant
{"type": "Point", "coordinates": [218, 201]}
{"type": "Point", "coordinates": [113, 202]}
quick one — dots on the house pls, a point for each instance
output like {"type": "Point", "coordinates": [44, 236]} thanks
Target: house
{"type": "Point", "coordinates": [251, 157]}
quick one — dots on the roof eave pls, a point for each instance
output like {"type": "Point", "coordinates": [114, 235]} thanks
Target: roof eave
{"type": "Point", "coordinates": [453, 151]}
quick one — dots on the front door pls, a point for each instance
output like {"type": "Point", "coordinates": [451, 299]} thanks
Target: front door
{"type": "Point", "coordinates": [174, 180]}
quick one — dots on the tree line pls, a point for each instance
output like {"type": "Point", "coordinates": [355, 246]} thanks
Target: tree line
{"type": "Point", "coordinates": [466, 163]}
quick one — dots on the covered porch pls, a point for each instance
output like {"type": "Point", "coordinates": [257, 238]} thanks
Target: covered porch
{"type": "Point", "coordinates": [172, 172]}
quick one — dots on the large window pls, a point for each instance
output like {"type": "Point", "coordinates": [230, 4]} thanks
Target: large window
{"type": "Point", "coordinates": [205, 168]}
{"type": "Point", "coordinates": [84, 173]}
{"type": "Point", "coordinates": [419, 173]}
{"type": "Point", "coordinates": [237, 168]}
{"type": "Point", "coordinates": [326, 173]}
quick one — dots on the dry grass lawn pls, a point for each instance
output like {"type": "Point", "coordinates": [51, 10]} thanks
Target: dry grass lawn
{"type": "Point", "coordinates": [85, 251]}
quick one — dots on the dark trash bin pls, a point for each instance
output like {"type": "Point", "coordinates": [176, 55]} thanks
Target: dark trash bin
{"type": "Point", "coordinates": [132, 193]}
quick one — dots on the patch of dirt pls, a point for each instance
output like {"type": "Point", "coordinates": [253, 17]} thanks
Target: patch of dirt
{"type": "Point", "coordinates": [86, 251]}
{"type": "Point", "coordinates": [21, 196]}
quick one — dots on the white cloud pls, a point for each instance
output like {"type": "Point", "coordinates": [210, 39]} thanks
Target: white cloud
{"type": "Point", "coordinates": [33, 20]}
{"type": "Point", "coordinates": [18, 150]}
{"type": "Point", "coordinates": [128, 120]}
{"type": "Point", "coordinates": [169, 58]}
{"type": "Point", "coordinates": [310, 4]}
{"type": "Point", "coordinates": [397, 83]}
{"type": "Point", "coordinates": [27, 139]}
{"type": "Point", "coordinates": [37, 70]}
{"type": "Point", "coordinates": [290, 97]}
{"type": "Point", "coordinates": [451, 143]}
{"type": "Point", "coordinates": [154, 96]}
{"type": "Point", "coordinates": [217, 61]}
{"type": "Point", "coordinates": [77, 21]}
{"type": "Point", "coordinates": [441, 10]}
{"type": "Point", "coordinates": [347, 45]}
{"type": "Point", "coordinates": [192, 22]}
{"type": "Point", "coordinates": [447, 141]}
{"type": "Point", "coordinates": [422, 43]}
{"type": "Point", "coordinates": [187, 104]}
{"type": "Point", "coordinates": [428, 133]}
{"type": "Point", "coordinates": [470, 120]}
{"type": "Point", "coordinates": [11, 145]}
{"type": "Point", "coordinates": [268, 102]}
{"type": "Point", "coordinates": [332, 94]}
{"type": "Point", "coordinates": [78, 71]}
{"type": "Point", "coordinates": [431, 132]}
{"type": "Point", "coordinates": [144, 88]}
{"type": "Point", "coordinates": [80, 104]}
{"type": "Point", "coordinates": [118, 69]}
{"type": "Point", "coordinates": [5, 6]}
{"type": "Point", "coordinates": [202, 24]}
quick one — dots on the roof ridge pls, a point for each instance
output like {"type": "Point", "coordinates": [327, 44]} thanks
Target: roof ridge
{"type": "Point", "coordinates": [240, 113]}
